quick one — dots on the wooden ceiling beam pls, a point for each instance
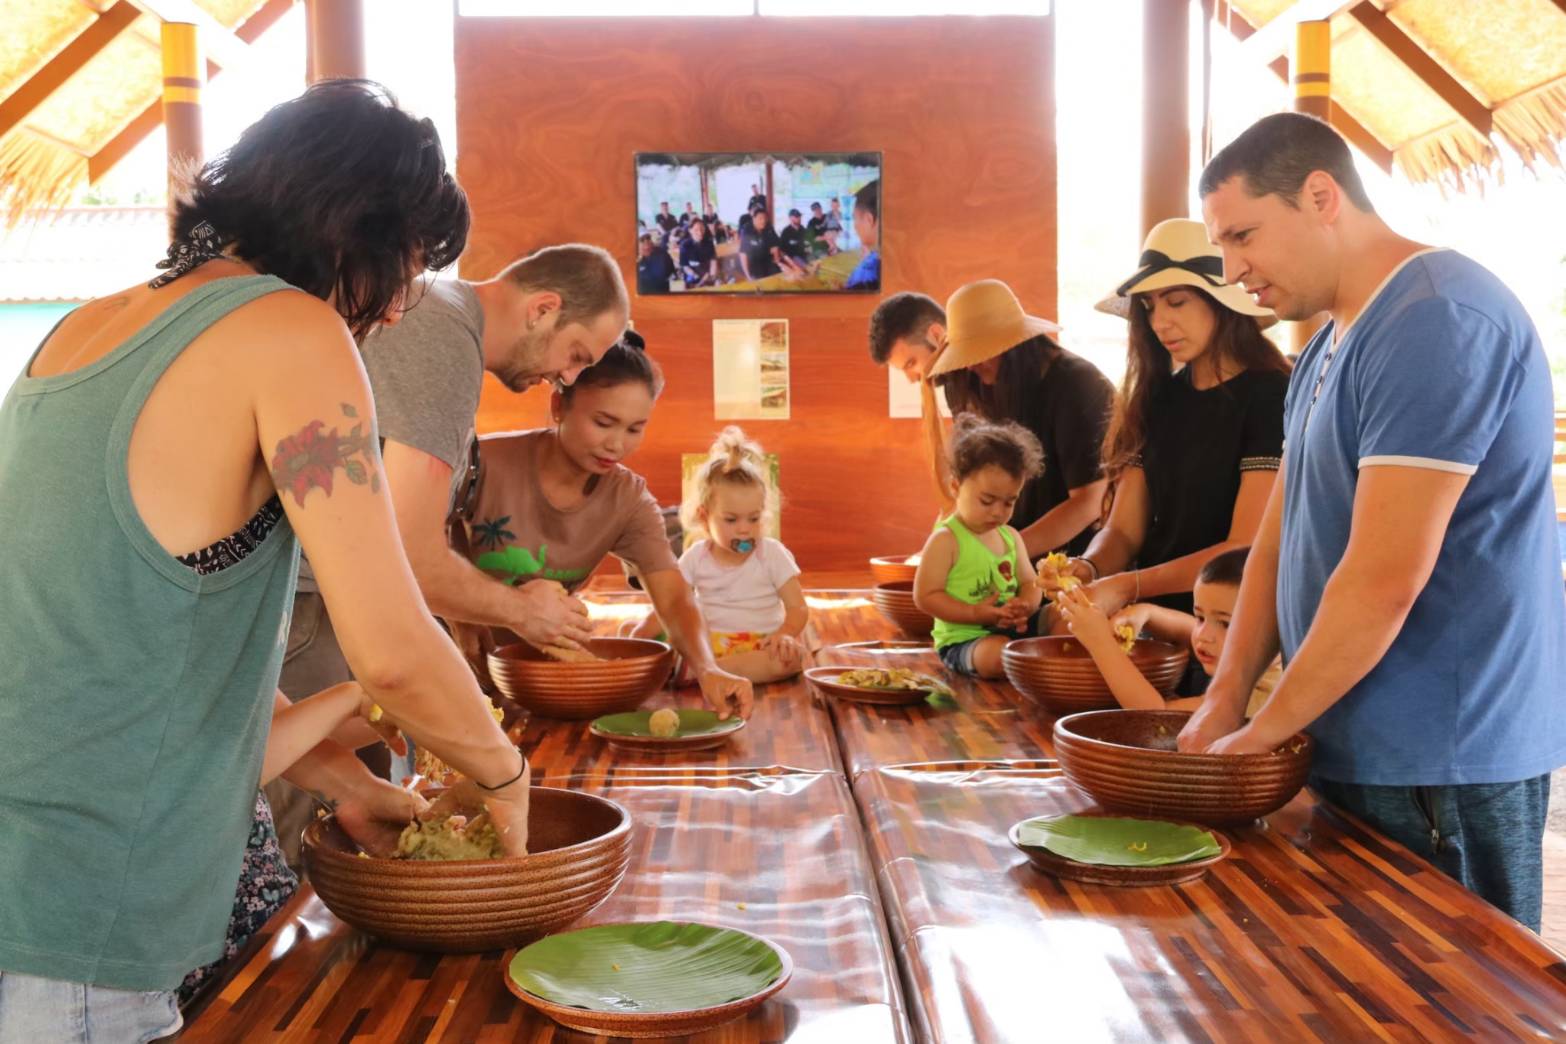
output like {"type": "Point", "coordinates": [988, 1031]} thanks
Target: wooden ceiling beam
{"type": "Point", "coordinates": [221, 46]}
{"type": "Point", "coordinates": [150, 118]}
{"type": "Point", "coordinates": [37, 88]}
{"type": "Point", "coordinates": [1417, 60]}
{"type": "Point", "coordinates": [1355, 132]}
{"type": "Point", "coordinates": [1276, 38]}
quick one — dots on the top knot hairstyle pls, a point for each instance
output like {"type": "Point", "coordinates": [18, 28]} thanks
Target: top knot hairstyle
{"type": "Point", "coordinates": [978, 443]}
{"type": "Point", "coordinates": [625, 362]}
{"type": "Point", "coordinates": [338, 192]}
{"type": "Point", "coordinates": [733, 460]}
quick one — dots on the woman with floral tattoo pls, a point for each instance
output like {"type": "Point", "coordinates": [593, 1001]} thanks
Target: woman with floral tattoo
{"type": "Point", "coordinates": [163, 458]}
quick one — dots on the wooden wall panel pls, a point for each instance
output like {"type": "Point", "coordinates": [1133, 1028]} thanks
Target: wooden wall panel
{"type": "Point", "coordinates": [551, 111]}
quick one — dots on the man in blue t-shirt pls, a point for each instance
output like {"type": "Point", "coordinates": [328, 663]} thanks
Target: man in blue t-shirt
{"type": "Point", "coordinates": [1406, 565]}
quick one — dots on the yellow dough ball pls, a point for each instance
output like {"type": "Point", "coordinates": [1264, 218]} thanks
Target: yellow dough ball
{"type": "Point", "coordinates": [664, 723]}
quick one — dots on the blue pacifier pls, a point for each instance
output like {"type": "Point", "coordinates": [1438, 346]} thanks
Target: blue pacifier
{"type": "Point", "coordinates": [744, 547]}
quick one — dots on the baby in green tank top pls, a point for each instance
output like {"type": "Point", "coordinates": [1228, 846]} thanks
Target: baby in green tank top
{"type": "Point", "coordinates": [972, 578]}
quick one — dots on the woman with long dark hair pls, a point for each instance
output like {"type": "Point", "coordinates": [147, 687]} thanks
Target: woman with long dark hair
{"type": "Point", "coordinates": [1001, 363]}
{"type": "Point", "coordinates": [1197, 434]}
{"type": "Point", "coordinates": [163, 458]}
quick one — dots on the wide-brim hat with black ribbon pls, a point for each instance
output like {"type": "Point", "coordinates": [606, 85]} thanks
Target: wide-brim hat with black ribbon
{"type": "Point", "coordinates": [1177, 253]}
{"type": "Point", "coordinates": [983, 320]}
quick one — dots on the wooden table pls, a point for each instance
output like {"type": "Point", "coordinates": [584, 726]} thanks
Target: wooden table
{"type": "Point", "coordinates": [1315, 928]}
{"type": "Point", "coordinates": [831, 816]}
{"type": "Point", "coordinates": [779, 855]}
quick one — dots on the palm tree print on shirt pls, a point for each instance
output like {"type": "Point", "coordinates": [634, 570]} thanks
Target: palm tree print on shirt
{"type": "Point", "coordinates": [493, 533]}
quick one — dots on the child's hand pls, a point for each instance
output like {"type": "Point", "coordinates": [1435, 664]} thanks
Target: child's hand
{"type": "Point", "coordinates": [1085, 620]}
{"type": "Point", "coordinates": [1058, 573]}
{"type": "Point", "coordinates": [988, 614]}
{"type": "Point", "coordinates": [784, 648]}
{"type": "Point", "coordinates": [367, 709]}
{"type": "Point", "coordinates": [1136, 615]}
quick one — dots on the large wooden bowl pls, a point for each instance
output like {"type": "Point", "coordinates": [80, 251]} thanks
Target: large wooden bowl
{"type": "Point", "coordinates": [579, 846]}
{"type": "Point", "coordinates": [890, 569]}
{"type": "Point", "coordinates": [895, 602]}
{"type": "Point", "coordinates": [1126, 759]}
{"type": "Point", "coordinates": [629, 671]}
{"type": "Point", "coordinates": [1058, 674]}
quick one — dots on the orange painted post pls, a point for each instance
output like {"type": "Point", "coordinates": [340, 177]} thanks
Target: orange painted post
{"type": "Point", "coordinates": [1312, 77]}
{"type": "Point", "coordinates": [184, 77]}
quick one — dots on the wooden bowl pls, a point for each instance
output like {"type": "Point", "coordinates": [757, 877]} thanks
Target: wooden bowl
{"type": "Point", "coordinates": [895, 602]}
{"type": "Point", "coordinates": [629, 671]}
{"type": "Point", "coordinates": [579, 847]}
{"type": "Point", "coordinates": [638, 1024]}
{"type": "Point", "coordinates": [1058, 674]}
{"type": "Point", "coordinates": [1047, 862]}
{"type": "Point", "coordinates": [892, 568]}
{"type": "Point", "coordinates": [1126, 759]}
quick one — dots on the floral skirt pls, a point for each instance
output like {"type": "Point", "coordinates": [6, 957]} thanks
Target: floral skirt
{"type": "Point", "coordinates": [265, 884]}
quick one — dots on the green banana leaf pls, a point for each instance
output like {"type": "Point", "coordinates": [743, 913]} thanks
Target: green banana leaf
{"type": "Point", "coordinates": [656, 966]}
{"type": "Point", "coordinates": [1113, 841]}
{"type": "Point", "coordinates": [693, 722]}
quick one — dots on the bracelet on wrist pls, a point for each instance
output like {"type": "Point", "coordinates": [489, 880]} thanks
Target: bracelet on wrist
{"type": "Point", "coordinates": [502, 786]}
{"type": "Point", "coordinates": [1092, 567]}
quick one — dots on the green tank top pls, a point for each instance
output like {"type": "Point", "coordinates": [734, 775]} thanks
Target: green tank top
{"type": "Point", "coordinates": [976, 573]}
{"type": "Point", "coordinates": [135, 694]}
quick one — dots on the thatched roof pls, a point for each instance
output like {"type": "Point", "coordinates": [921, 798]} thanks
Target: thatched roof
{"type": "Point", "coordinates": [81, 84]}
{"type": "Point", "coordinates": [1431, 86]}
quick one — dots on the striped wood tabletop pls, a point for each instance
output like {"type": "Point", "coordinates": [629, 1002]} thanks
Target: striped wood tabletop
{"type": "Point", "coordinates": [779, 855]}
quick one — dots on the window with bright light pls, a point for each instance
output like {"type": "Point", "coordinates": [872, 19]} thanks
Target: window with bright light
{"type": "Point", "coordinates": [775, 8]}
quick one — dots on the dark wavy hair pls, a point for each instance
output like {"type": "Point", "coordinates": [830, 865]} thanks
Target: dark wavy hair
{"type": "Point", "coordinates": [625, 362]}
{"type": "Point", "coordinates": [337, 191]}
{"type": "Point", "coordinates": [1020, 366]}
{"type": "Point", "coordinates": [1238, 344]}
{"type": "Point", "coordinates": [978, 444]}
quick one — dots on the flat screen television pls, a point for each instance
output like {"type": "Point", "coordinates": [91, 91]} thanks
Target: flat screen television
{"type": "Point", "coordinates": [758, 223]}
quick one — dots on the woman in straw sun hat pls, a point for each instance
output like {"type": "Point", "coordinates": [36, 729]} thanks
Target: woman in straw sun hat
{"type": "Point", "coordinates": [1000, 363]}
{"type": "Point", "coordinates": [1197, 433]}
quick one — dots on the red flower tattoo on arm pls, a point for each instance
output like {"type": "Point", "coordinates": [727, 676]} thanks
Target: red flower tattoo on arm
{"type": "Point", "coordinates": [308, 459]}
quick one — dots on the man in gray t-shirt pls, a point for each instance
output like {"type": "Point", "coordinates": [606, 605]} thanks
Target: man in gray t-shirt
{"type": "Point", "coordinates": [544, 319]}
{"type": "Point", "coordinates": [427, 371]}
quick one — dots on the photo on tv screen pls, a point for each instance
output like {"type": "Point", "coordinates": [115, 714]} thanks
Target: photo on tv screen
{"type": "Point", "coordinates": [754, 223]}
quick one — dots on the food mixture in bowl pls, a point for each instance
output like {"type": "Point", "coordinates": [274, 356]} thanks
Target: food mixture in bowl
{"type": "Point", "coordinates": [451, 837]}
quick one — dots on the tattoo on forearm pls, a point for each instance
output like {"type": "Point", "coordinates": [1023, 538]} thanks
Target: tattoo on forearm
{"type": "Point", "coordinates": [308, 459]}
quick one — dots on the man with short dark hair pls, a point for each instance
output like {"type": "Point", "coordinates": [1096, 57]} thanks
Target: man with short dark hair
{"type": "Point", "coordinates": [817, 219]}
{"type": "Point", "coordinates": [666, 221]}
{"type": "Point", "coordinates": [867, 228]}
{"type": "Point", "coordinates": [905, 331]}
{"type": "Point", "coordinates": [1406, 565]}
{"type": "Point", "coordinates": [758, 201]}
{"type": "Point", "coordinates": [791, 243]}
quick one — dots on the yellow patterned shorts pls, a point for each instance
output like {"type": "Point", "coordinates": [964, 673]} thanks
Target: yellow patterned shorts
{"type": "Point", "coordinates": [727, 643]}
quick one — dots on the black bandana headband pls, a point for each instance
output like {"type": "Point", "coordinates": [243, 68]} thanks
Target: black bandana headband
{"type": "Point", "coordinates": [200, 245]}
{"type": "Point", "coordinates": [1152, 262]}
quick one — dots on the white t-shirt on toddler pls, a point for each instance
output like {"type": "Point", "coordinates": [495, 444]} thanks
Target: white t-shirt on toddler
{"type": "Point", "coordinates": [743, 597]}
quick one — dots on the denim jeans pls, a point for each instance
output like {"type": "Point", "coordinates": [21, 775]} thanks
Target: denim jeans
{"type": "Point", "coordinates": [1488, 836]}
{"type": "Point", "coordinates": [34, 1009]}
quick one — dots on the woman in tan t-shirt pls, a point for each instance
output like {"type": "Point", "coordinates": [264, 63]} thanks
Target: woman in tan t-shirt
{"type": "Point", "coordinates": [552, 502]}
